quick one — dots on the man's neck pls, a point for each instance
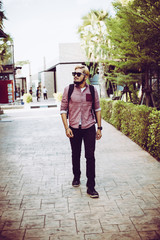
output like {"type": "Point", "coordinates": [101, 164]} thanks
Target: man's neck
{"type": "Point", "coordinates": [82, 85]}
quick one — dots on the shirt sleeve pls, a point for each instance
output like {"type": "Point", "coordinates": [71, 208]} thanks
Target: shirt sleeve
{"type": "Point", "coordinates": [64, 102]}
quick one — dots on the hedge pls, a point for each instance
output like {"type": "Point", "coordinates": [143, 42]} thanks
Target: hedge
{"type": "Point", "coordinates": [140, 123]}
{"type": "Point", "coordinates": [154, 134]}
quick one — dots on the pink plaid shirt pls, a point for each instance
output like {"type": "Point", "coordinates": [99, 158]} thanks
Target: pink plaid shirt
{"type": "Point", "coordinates": [80, 106]}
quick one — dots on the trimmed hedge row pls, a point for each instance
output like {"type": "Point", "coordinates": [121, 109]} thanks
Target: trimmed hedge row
{"type": "Point", "coordinates": [138, 122]}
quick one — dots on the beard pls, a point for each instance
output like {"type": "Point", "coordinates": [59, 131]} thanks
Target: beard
{"type": "Point", "coordinates": [79, 83]}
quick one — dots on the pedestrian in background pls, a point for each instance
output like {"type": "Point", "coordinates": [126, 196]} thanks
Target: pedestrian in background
{"type": "Point", "coordinates": [45, 93]}
{"type": "Point", "coordinates": [82, 126]}
{"type": "Point", "coordinates": [30, 90]}
{"type": "Point", "coordinates": [38, 94]}
{"type": "Point", "coordinates": [22, 91]}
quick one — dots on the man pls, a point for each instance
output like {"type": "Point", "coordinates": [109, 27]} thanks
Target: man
{"type": "Point", "coordinates": [30, 90]}
{"type": "Point", "coordinates": [82, 126]}
{"type": "Point", "coordinates": [45, 93]}
{"type": "Point", "coordinates": [38, 94]}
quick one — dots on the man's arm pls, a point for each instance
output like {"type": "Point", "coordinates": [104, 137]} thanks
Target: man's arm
{"type": "Point", "coordinates": [99, 133]}
{"type": "Point", "coordinates": [69, 132]}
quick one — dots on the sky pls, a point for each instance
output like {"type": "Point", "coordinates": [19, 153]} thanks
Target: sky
{"type": "Point", "coordinates": [38, 26]}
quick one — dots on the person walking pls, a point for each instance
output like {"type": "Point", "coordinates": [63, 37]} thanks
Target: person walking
{"type": "Point", "coordinates": [22, 91]}
{"type": "Point", "coordinates": [30, 90]}
{"type": "Point", "coordinates": [82, 126]}
{"type": "Point", "coordinates": [38, 94]}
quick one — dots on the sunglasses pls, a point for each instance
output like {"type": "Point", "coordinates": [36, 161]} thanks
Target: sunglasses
{"type": "Point", "coordinates": [77, 73]}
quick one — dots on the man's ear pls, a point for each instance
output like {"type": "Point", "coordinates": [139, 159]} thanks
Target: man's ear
{"type": "Point", "coordinates": [86, 77]}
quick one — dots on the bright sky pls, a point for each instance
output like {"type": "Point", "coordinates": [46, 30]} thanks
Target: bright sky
{"type": "Point", "coordinates": [38, 26]}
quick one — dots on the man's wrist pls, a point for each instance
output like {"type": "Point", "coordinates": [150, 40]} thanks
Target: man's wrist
{"type": "Point", "coordinates": [67, 128]}
{"type": "Point", "coordinates": [100, 128]}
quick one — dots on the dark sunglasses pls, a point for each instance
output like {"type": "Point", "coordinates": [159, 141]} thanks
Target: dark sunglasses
{"type": "Point", "coordinates": [78, 74]}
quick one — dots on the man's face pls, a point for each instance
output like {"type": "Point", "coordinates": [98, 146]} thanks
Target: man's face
{"type": "Point", "coordinates": [78, 78]}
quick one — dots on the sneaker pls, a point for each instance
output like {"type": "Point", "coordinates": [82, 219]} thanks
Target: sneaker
{"type": "Point", "coordinates": [92, 193]}
{"type": "Point", "coordinates": [75, 183]}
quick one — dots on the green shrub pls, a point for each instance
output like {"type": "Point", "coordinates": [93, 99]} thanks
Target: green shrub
{"type": "Point", "coordinates": [27, 98]}
{"type": "Point", "coordinates": [126, 119]}
{"type": "Point", "coordinates": [106, 109]}
{"type": "Point", "coordinates": [117, 114]}
{"type": "Point", "coordinates": [139, 123]}
{"type": "Point", "coordinates": [154, 134]}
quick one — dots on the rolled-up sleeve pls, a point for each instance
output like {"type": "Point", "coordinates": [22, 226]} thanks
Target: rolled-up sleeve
{"type": "Point", "coordinates": [64, 102]}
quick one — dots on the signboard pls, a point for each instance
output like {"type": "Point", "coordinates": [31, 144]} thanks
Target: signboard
{"type": "Point", "coordinates": [6, 91]}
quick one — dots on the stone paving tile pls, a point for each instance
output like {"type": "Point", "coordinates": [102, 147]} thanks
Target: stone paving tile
{"type": "Point", "coordinates": [9, 215]}
{"type": "Point", "coordinates": [129, 208]}
{"type": "Point", "coordinates": [11, 225]}
{"type": "Point", "coordinates": [32, 222]}
{"type": "Point", "coordinates": [37, 201]}
{"type": "Point", "coordinates": [147, 222]}
{"type": "Point", "coordinates": [132, 235]}
{"type": "Point", "coordinates": [90, 226]}
{"type": "Point", "coordinates": [12, 234]}
{"type": "Point", "coordinates": [151, 235]}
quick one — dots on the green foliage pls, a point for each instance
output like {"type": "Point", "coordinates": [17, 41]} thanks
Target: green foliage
{"type": "Point", "coordinates": [2, 15]}
{"type": "Point", "coordinates": [138, 122]}
{"type": "Point", "coordinates": [117, 113]}
{"type": "Point", "coordinates": [106, 109]}
{"type": "Point", "coordinates": [137, 126]}
{"type": "Point", "coordinates": [93, 34]}
{"type": "Point", "coordinates": [22, 63]}
{"type": "Point", "coordinates": [5, 49]}
{"type": "Point", "coordinates": [129, 41]}
{"type": "Point", "coordinates": [27, 98]}
{"type": "Point", "coordinates": [154, 134]}
{"type": "Point", "coordinates": [156, 96]}
{"type": "Point", "coordinates": [58, 96]}
{"type": "Point", "coordinates": [134, 35]}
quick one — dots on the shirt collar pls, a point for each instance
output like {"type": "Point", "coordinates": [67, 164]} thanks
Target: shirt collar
{"type": "Point", "coordinates": [86, 85]}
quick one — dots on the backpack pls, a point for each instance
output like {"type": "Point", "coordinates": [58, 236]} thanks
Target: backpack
{"type": "Point", "coordinates": [91, 88]}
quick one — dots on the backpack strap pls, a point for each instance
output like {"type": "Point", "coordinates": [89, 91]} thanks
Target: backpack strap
{"type": "Point", "coordinates": [70, 91]}
{"type": "Point", "coordinates": [91, 87]}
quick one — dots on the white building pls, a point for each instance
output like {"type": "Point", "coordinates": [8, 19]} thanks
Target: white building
{"type": "Point", "coordinates": [59, 75]}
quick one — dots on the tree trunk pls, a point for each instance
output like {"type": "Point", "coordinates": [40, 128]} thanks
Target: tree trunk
{"type": "Point", "coordinates": [147, 87]}
{"type": "Point", "coordinates": [102, 82]}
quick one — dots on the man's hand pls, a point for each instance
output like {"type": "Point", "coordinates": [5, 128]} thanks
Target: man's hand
{"type": "Point", "coordinates": [69, 133]}
{"type": "Point", "coordinates": [98, 134]}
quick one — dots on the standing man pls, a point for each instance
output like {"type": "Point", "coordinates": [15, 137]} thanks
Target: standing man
{"type": "Point", "coordinates": [30, 90]}
{"type": "Point", "coordinates": [82, 126]}
{"type": "Point", "coordinates": [45, 93]}
{"type": "Point", "coordinates": [38, 94]}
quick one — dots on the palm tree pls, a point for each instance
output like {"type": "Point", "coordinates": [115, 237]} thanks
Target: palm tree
{"type": "Point", "coordinates": [2, 15]}
{"type": "Point", "coordinates": [4, 47]}
{"type": "Point", "coordinates": [93, 34]}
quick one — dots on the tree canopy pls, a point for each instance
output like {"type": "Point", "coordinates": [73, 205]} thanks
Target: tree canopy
{"type": "Point", "coordinates": [5, 53]}
{"type": "Point", "coordinates": [130, 40]}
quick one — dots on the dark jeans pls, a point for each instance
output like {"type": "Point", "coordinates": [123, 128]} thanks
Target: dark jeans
{"type": "Point", "coordinates": [89, 137]}
{"type": "Point", "coordinates": [45, 96]}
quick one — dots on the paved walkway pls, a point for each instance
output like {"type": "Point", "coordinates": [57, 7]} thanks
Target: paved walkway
{"type": "Point", "coordinates": [37, 201]}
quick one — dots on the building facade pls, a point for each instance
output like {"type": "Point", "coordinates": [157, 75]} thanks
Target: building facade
{"type": "Point", "coordinates": [59, 75]}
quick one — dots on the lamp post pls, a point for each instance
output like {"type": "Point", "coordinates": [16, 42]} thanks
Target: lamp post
{"type": "Point", "coordinates": [13, 68]}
